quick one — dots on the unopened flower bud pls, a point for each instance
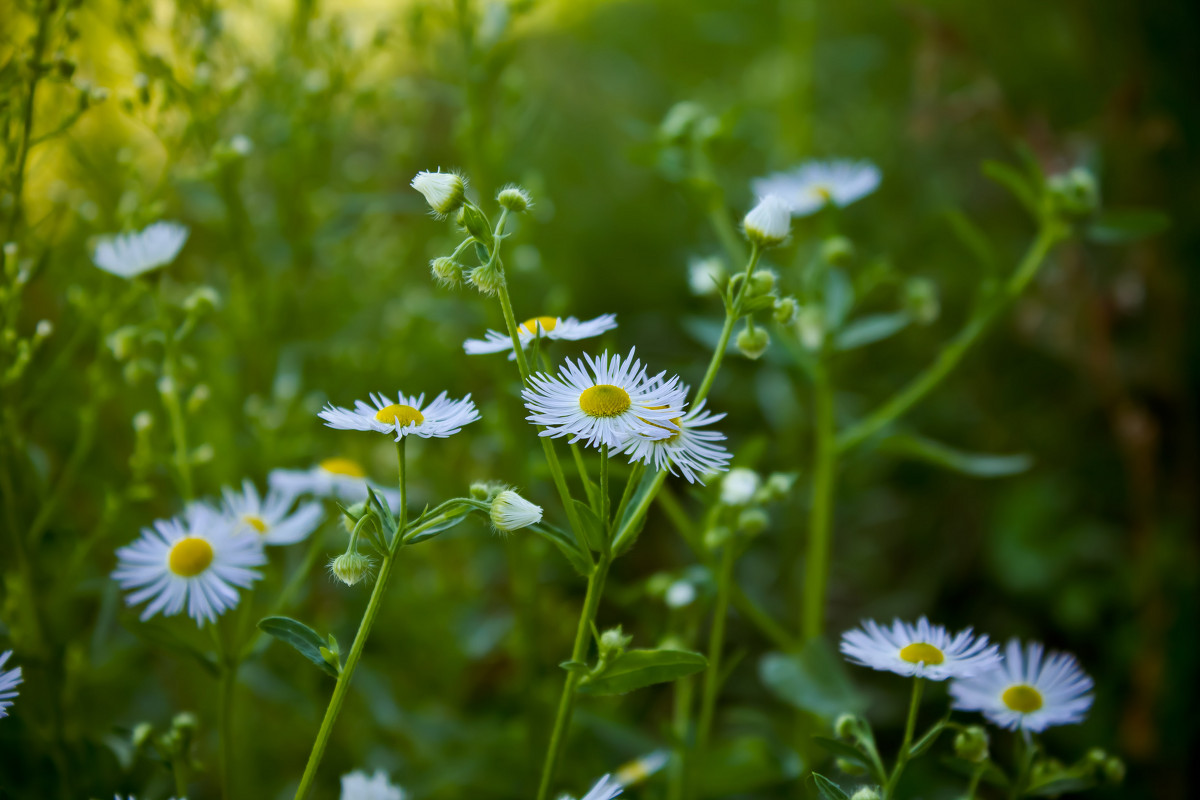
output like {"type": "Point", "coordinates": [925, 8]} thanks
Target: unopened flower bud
{"type": "Point", "coordinates": [716, 537]}
{"type": "Point", "coordinates": [680, 120]}
{"type": "Point", "coordinates": [845, 726]}
{"type": "Point", "coordinates": [753, 342]}
{"type": "Point", "coordinates": [921, 300]}
{"type": "Point", "coordinates": [350, 568]}
{"type": "Point", "coordinates": [613, 642]}
{"type": "Point", "coordinates": [706, 276]}
{"type": "Point", "coordinates": [444, 191]}
{"type": "Point", "coordinates": [1047, 770]}
{"type": "Point", "coordinates": [487, 490]}
{"type": "Point", "coordinates": [680, 594]}
{"type": "Point", "coordinates": [972, 744]}
{"type": "Point", "coordinates": [761, 282]}
{"type": "Point", "coordinates": [738, 486]}
{"type": "Point", "coordinates": [769, 222]}
{"type": "Point", "coordinates": [515, 199]}
{"type": "Point", "coordinates": [1113, 769]}
{"type": "Point", "coordinates": [201, 299]}
{"type": "Point", "coordinates": [487, 279]}
{"type": "Point", "coordinates": [837, 250]}
{"type": "Point", "coordinates": [353, 515]}
{"type": "Point", "coordinates": [785, 310]}
{"type": "Point", "coordinates": [123, 342]}
{"type": "Point", "coordinates": [866, 793]}
{"type": "Point", "coordinates": [446, 271]}
{"type": "Point", "coordinates": [752, 521]}
{"type": "Point", "coordinates": [779, 485]}
{"type": "Point", "coordinates": [185, 720]}
{"type": "Point", "coordinates": [511, 512]}
{"type": "Point", "coordinates": [43, 330]}
{"type": "Point", "coordinates": [143, 421]}
{"type": "Point", "coordinates": [1074, 192]}
{"type": "Point", "coordinates": [472, 220]}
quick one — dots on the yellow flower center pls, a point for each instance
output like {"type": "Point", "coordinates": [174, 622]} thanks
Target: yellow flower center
{"type": "Point", "coordinates": [604, 400]}
{"type": "Point", "coordinates": [823, 192]}
{"type": "Point", "coordinates": [922, 653]}
{"type": "Point", "coordinates": [399, 415]}
{"type": "Point", "coordinates": [189, 557]}
{"type": "Point", "coordinates": [343, 466]}
{"type": "Point", "coordinates": [548, 324]}
{"type": "Point", "coordinates": [255, 522]}
{"type": "Point", "coordinates": [1023, 698]}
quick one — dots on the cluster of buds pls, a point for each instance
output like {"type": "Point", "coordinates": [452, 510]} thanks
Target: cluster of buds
{"type": "Point", "coordinates": [743, 498]}
{"type": "Point", "coordinates": [174, 746]}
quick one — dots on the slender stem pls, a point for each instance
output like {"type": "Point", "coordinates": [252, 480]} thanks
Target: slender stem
{"type": "Point", "coordinates": [605, 500]}
{"type": "Point", "coordinates": [732, 314]}
{"type": "Point", "coordinates": [635, 478]}
{"type": "Point", "coordinates": [229, 670]}
{"type": "Point", "coordinates": [685, 691]}
{"type": "Point", "coordinates": [36, 72]}
{"type": "Point", "coordinates": [716, 643]}
{"type": "Point", "coordinates": [976, 776]}
{"type": "Point", "coordinates": [820, 520]}
{"type": "Point", "coordinates": [627, 530]}
{"type": "Point", "coordinates": [179, 772]}
{"type": "Point", "coordinates": [909, 726]}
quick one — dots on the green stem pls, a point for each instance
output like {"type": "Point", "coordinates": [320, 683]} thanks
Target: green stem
{"type": "Point", "coordinates": [605, 500]}
{"type": "Point", "coordinates": [229, 670]}
{"type": "Point", "coordinates": [732, 314]}
{"type": "Point", "coordinates": [909, 726]}
{"type": "Point", "coordinates": [635, 478]}
{"type": "Point", "coordinates": [716, 643]}
{"type": "Point", "coordinates": [627, 529]}
{"type": "Point", "coordinates": [820, 520]}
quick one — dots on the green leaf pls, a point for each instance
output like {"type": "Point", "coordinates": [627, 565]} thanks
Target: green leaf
{"type": "Point", "coordinates": [566, 545]}
{"type": "Point", "coordinates": [926, 741]}
{"type": "Point", "coordinates": [638, 668]}
{"type": "Point", "coordinates": [871, 329]}
{"type": "Point", "coordinates": [304, 639]}
{"type": "Point", "coordinates": [979, 465]}
{"type": "Point", "coordinates": [839, 298]}
{"type": "Point", "coordinates": [1011, 178]}
{"type": "Point", "coordinates": [164, 637]}
{"type": "Point", "coordinates": [1125, 225]}
{"type": "Point", "coordinates": [813, 679]}
{"type": "Point", "coordinates": [1059, 786]}
{"type": "Point", "coordinates": [575, 666]}
{"type": "Point", "coordinates": [481, 253]}
{"type": "Point", "coordinates": [442, 522]}
{"type": "Point", "coordinates": [649, 483]}
{"type": "Point", "coordinates": [742, 765]}
{"type": "Point", "coordinates": [973, 238]}
{"type": "Point", "coordinates": [828, 789]}
{"type": "Point", "coordinates": [991, 773]}
{"type": "Point", "coordinates": [593, 528]}
{"type": "Point", "coordinates": [843, 750]}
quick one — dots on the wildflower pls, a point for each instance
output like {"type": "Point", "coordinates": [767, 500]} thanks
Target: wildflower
{"type": "Point", "coordinates": [680, 594]}
{"type": "Point", "coordinates": [195, 560]}
{"type": "Point", "coordinates": [1027, 691]}
{"type": "Point", "coordinates": [9, 680]}
{"type": "Point", "coordinates": [921, 650]}
{"type": "Point", "coordinates": [608, 409]}
{"type": "Point", "coordinates": [409, 415]}
{"type": "Point", "coordinates": [739, 486]}
{"type": "Point", "coordinates": [343, 478]}
{"type": "Point", "coordinates": [511, 512]}
{"type": "Point", "coordinates": [642, 767]}
{"type": "Point", "coordinates": [358, 786]}
{"type": "Point", "coordinates": [605, 789]}
{"type": "Point", "coordinates": [706, 276]}
{"type": "Point", "coordinates": [269, 517]}
{"type": "Point", "coordinates": [692, 451]}
{"type": "Point", "coordinates": [351, 567]}
{"type": "Point", "coordinates": [541, 327]}
{"type": "Point", "coordinates": [131, 254]}
{"type": "Point", "coordinates": [866, 793]}
{"type": "Point", "coordinates": [444, 191]}
{"type": "Point", "coordinates": [768, 223]}
{"type": "Point", "coordinates": [812, 185]}
{"type": "Point", "coordinates": [514, 198]}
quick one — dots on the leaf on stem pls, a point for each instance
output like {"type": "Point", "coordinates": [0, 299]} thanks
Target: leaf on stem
{"type": "Point", "coordinates": [1126, 225]}
{"type": "Point", "coordinates": [828, 789]}
{"type": "Point", "coordinates": [593, 528]}
{"type": "Point", "coordinates": [302, 638]}
{"type": "Point", "coordinates": [844, 750]}
{"type": "Point", "coordinates": [566, 545]}
{"type": "Point", "coordinates": [839, 298]}
{"type": "Point", "coordinates": [636, 669]}
{"type": "Point", "coordinates": [813, 679]}
{"type": "Point", "coordinates": [1019, 184]}
{"type": "Point", "coordinates": [979, 465]}
{"type": "Point", "coordinates": [871, 329]}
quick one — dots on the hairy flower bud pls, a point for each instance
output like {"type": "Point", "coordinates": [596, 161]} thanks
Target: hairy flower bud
{"type": "Point", "coordinates": [1075, 192]}
{"type": "Point", "coordinates": [752, 521]}
{"type": "Point", "coordinates": [515, 199]}
{"type": "Point", "coordinates": [446, 271]}
{"type": "Point", "coordinates": [753, 342]}
{"type": "Point", "coordinates": [761, 282]}
{"type": "Point", "coordinates": [613, 642]}
{"type": "Point", "coordinates": [866, 793]}
{"type": "Point", "coordinates": [785, 310]}
{"type": "Point", "coordinates": [837, 250]}
{"type": "Point", "coordinates": [972, 744]}
{"type": "Point", "coordinates": [350, 568]}
{"type": "Point", "coordinates": [487, 279]}
{"type": "Point", "coordinates": [921, 300]}
{"type": "Point", "coordinates": [769, 222]}
{"type": "Point", "coordinates": [511, 512]}
{"type": "Point", "coordinates": [444, 191]}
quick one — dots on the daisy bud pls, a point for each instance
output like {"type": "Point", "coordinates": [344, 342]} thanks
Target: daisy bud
{"type": "Point", "coordinates": [752, 521]}
{"type": "Point", "coordinates": [680, 594]}
{"type": "Point", "coordinates": [866, 793]}
{"type": "Point", "coordinates": [143, 421]}
{"type": "Point", "coordinates": [972, 744]}
{"type": "Point", "coordinates": [123, 342]}
{"type": "Point", "coordinates": [487, 490]}
{"type": "Point", "coordinates": [738, 486]}
{"type": "Point", "coordinates": [716, 537]}
{"type": "Point", "coordinates": [514, 198]}
{"type": "Point", "coordinates": [785, 310]}
{"type": "Point", "coordinates": [446, 271]}
{"type": "Point", "coordinates": [350, 568]}
{"type": "Point", "coordinates": [761, 282]}
{"type": "Point", "coordinates": [472, 220]}
{"type": "Point", "coordinates": [846, 726]}
{"type": "Point", "coordinates": [43, 329]}
{"type": "Point", "coordinates": [849, 767]}
{"type": "Point", "coordinates": [810, 326]}
{"type": "Point", "coordinates": [613, 642]}
{"type": "Point", "coordinates": [1074, 192]}
{"type": "Point", "coordinates": [837, 250]}
{"type": "Point", "coordinates": [752, 342]}
{"type": "Point", "coordinates": [511, 512]}
{"type": "Point", "coordinates": [769, 222]}
{"type": "Point", "coordinates": [1113, 769]}
{"type": "Point", "coordinates": [778, 485]}
{"type": "Point", "coordinates": [353, 515]}
{"type": "Point", "coordinates": [202, 299]}
{"type": "Point", "coordinates": [921, 300]}
{"type": "Point", "coordinates": [488, 280]}
{"type": "Point", "coordinates": [444, 191]}
{"type": "Point", "coordinates": [1047, 770]}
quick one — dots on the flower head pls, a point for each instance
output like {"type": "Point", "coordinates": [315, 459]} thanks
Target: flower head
{"type": "Point", "coordinates": [812, 185]}
{"type": "Point", "coordinates": [343, 478]}
{"type": "Point", "coordinates": [1029, 690]}
{"type": "Point", "coordinates": [922, 650]}
{"type": "Point", "coordinates": [769, 222]}
{"type": "Point", "coordinates": [515, 199]}
{"type": "Point", "coordinates": [567, 328]}
{"type": "Point", "coordinates": [350, 568]}
{"type": "Point", "coordinates": [408, 415]}
{"type": "Point", "coordinates": [688, 451]}
{"type": "Point", "coordinates": [358, 785]}
{"type": "Point", "coordinates": [128, 255]}
{"type": "Point", "coordinates": [604, 401]}
{"type": "Point", "coordinates": [270, 517]}
{"type": "Point", "coordinates": [444, 191]}
{"type": "Point", "coordinates": [511, 512]}
{"type": "Point", "coordinates": [195, 560]}
{"type": "Point", "coordinates": [739, 486]}
{"type": "Point", "coordinates": [605, 789]}
{"type": "Point", "coordinates": [9, 680]}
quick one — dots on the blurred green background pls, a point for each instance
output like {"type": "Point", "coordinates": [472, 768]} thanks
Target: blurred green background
{"type": "Point", "coordinates": [319, 251]}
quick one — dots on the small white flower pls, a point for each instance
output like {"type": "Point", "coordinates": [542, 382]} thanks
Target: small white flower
{"type": "Point", "coordinates": [341, 478]}
{"type": "Point", "coordinates": [444, 191]}
{"type": "Point", "coordinates": [359, 786]}
{"type": "Point", "coordinates": [511, 512]}
{"type": "Point", "coordinates": [131, 254]}
{"type": "Point", "coordinates": [408, 415]}
{"type": "Point", "coordinates": [195, 560]}
{"type": "Point", "coordinates": [739, 486]}
{"type": "Point", "coordinates": [269, 517]}
{"type": "Point", "coordinates": [706, 276]}
{"type": "Point", "coordinates": [692, 451]}
{"type": "Point", "coordinates": [769, 222]}
{"type": "Point", "coordinates": [921, 650]}
{"type": "Point", "coordinates": [567, 328]}
{"type": "Point", "coordinates": [9, 680]}
{"type": "Point", "coordinates": [1028, 690]}
{"type": "Point", "coordinates": [605, 789]}
{"type": "Point", "coordinates": [812, 185]}
{"type": "Point", "coordinates": [680, 594]}
{"type": "Point", "coordinates": [642, 768]}
{"type": "Point", "coordinates": [607, 405]}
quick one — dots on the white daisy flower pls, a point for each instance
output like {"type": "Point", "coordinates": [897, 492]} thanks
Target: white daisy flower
{"type": "Point", "coordinates": [567, 328]}
{"type": "Point", "coordinates": [9, 680]}
{"type": "Point", "coordinates": [131, 254]}
{"type": "Point", "coordinates": [511, 512]}
{"type": "Point", "coordinates": [195, 560]}
{"type": "Point", "coordinates": [606, 406]}
{"type": "Point", "coordinates": [1028, 690]}
{"type": "Point", "coordinates": [444, 191]}
{"type": "Point", "coordinates": [642, 768]}
{"type": "Point", "coordinates": [408, 415]}
{"type": "Point", "coordinates": [809, 187]}
{"type": "Point", "coordinates": [605, 789]}
{"type": "Point", "coordinates": [271, 517]}
{"type": "Point", "coordinates": [692, 451]}
{"type": "Point", "coordinates": [358, 785]}
{"type": "Point", "coordinates": [769, 222]}
{"type": "Point", "coordinates": [341, 478]}
{"type": "Point", "coordinates": [706, 276]}
{"type": "Point", "coordinates": [739, 486]}
{"type": "Point", "coordinates": [921, 650]}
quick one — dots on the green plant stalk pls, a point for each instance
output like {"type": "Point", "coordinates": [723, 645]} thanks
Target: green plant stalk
{"type": "Point", "coordinates": [910, 725]}
{"type": "Point", "coordinates": [716, 643]}
{"type": "Point", "coordinates": [820, 519]}
{"type": "Point", "coordinates": [732, 314]}
{"type": "Point", "coordinates": [604, 498]}
{"type": "Point", "coordinates": [684, 694]}
{"type": "Point", "coordinates": [228, 681]}
{"type": "Point", "coordinates": [36, 57]}
{"type": "Point", "coordinates": [360, 638]}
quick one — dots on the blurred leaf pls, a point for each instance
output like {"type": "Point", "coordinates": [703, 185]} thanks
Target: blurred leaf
{"type": "Point", "coordinates": [978, 465]}
{"type": "Point", "coordinates": [843, 750]}
{"type": "Point", "coordinates": [638, 668]}
{"type": "Point", "coordinates": [828, 789]}
{"type": "Point", "coordinates": [839, 298]}
{"type": "Point", "coordinates": [442, 522]}
{"type": "Point", "coordinates": [813, 679]}
{"type": "Point", "coordinates": [161, 635]}
{"type": "Point", "coordinates": [926, 741]}
{"type": "Point", "coordinates": [645, 486]}
{"type": "Point", "coordinates": [1125, 225]}
{"type": "Point", "coordinates": [1059, 786]}
{"type": "Point", "coordinates": [991, 773]}
{"type": "Point", "coordinates": [870, 329]}
{"type": "Point", "coordinates": [973, 238]}
{"type": "Point", "coordinates": [574, 666]}
{"type": "Point", "coordinates": [302, 638]}
{"type": "Point", "coordinates": [565, 544]}
{"type": "Point", "coordinates": [745, 764]}
{"type": "Point", "coordinates": [593, 528]}
{"type": "Point", "coordinates": [1011, 178]}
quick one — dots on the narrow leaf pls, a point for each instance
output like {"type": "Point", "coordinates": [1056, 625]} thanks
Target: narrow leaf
{"type": "Point", "coordinates": [1125, 225]}
{"type": "Point", "coordinates": [973, 238]}
{"type": "Point", "coordinates": [1012, 179]}
{"type": "Point", "coordinates": [814, 679]}
{"type": "Point", "coordinates": [843, 750]}
{"type": "Point", "coordinates": [871, 329]}
{"type": "Point", "coordinates": [839, 298]}
{"type": "Point", "coordinates": [828, 789]}
{"type": "Point", "coordinates": [593, 528]}
{"type": "Point", "coordinates": [926, 741]}
{"type": "Point", "coordinates": [565, 544]}
{"type": "Point", "coordinates": [302, 638]}
{"type": "Point", "coordinates": [979, 465]}
{"type": "Point", "coordinates": [638, 668]}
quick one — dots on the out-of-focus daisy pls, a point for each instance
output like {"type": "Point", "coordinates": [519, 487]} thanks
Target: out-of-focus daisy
{"type": "Point", "coordinates": [1029, 690]}
{"type": "Point", "coordinates": [9, 680]}
{"type": "Point", "coordinates": [691, 451]}
{"type": "Point", "coordinates": [769, 222]}
{"type": "Point", "coordinates": [343, 478]}
{"type": "Point", "coordinates": [605, 789]}
{"type": "Point", "coordinates": [567, 328]}
{"type": "Point", "coordinates": [131, 254]}
{"type": "Point", "coordinates": [812, 185]}
{"type": "Point", "coordinates": [642, 767]}
{"type": "Point", "coordinates": [921, 650]}
{"type": "Point", "coordinates": [706, 276]}
{"type": "Point", "coordinates": [739, 486]}
{"type": "Point", "coordinates": [408, 415]}
{"type": "Point", "coordinates": [606, 405]}
{"type": "Point", "coordinates": [196, 560]}
{"type": "Point", "coordinates": [268, 517]}
{"type": "Point", "coordinates": [358, 785]}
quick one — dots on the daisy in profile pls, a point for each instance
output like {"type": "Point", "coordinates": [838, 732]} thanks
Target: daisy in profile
{"type": "Point", "coordinates": [605, 789]}
{"type": "Point", "coordinates": [9, 680]}
{"type": "Point", "coordinates": [814, 184]}
{"type": "Point", "coordinates": [568, 328]}
{"type": "Point", "coordinates": [408, 415]}
{"type": "Point", "coordinates": [604, 401]}
{"type": "Point", "coordinates": [1030, 690]}
{"type": "Point", "coordinates": [197, 561]}
{"type": "Point", "coordinates": [339, 477]}
{"type": "Point", "coordinates": [128, 255]}
{"type": "Point", "coordinates": [642, 768]}
{"type": "Point", "coordinates": [922, 650]}
{"type": "Point", "coordinates": [686, 451]}
{"type": "Point", "coordinates": [358, 785]}
{"type": "Point", "coordinates": [270, 517]}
